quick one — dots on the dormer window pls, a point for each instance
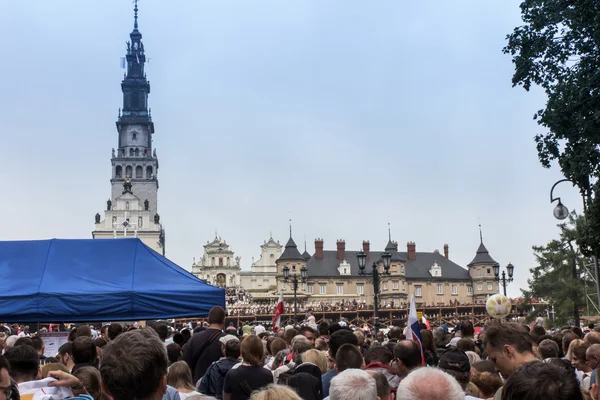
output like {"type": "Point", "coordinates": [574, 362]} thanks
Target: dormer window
{"type": "Point", "coordinates": [435, 270]}
{"type": "Point", "coordinates": [344, 268]}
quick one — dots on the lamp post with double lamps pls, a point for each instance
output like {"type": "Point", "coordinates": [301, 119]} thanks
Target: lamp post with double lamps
{"type": "Point", "coordinates": [295, 281]}
{"type": "Point", "coordinates": [504, 280]}
{"type": "Point", "coordinates": [376, 276]}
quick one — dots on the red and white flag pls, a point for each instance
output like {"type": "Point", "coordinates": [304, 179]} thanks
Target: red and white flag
{"type": "Point", "coordinates": [424, 320]}
{"type": "Point", "coordinates": [278, 312]}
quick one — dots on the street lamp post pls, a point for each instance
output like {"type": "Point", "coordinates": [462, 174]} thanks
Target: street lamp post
{"type": "Point", "coordinates": [376, 275]}
{"type": "Point", "coordinates": [510, 269]}
{"type": "Point", "coordinates": [294, 281]}
{"type": "Point", "coordinates": [561, 212]}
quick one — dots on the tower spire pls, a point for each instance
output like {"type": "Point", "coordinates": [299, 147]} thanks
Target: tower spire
{"type": "Point", "coordinates": [290, 224]}
{"type": "Point", "coordinates": [480, 234]}
{"type": "Point", "coordinates": [389, 231]}
{"type": "Point", "coordinates": [135, 11]}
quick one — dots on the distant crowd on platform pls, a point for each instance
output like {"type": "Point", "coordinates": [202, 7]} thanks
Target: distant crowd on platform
{"type": "Point", "coordinates": [308, 361]}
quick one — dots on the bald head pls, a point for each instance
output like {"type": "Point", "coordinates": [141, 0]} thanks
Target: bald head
{"type": "Point", "coordinates": [592, 338]}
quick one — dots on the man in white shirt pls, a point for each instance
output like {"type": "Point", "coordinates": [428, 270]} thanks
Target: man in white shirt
{"type": "Point", "coordinates": [581, 363]}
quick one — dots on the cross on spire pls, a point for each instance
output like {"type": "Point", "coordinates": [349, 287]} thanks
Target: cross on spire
{"type": "Point", "coordinates": [135, 11]}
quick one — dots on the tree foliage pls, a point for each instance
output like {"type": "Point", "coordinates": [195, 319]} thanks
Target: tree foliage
{"type": "Point", "coordinates": [552, 278]}
{"type": "Point", "coordinates": [558, 49]}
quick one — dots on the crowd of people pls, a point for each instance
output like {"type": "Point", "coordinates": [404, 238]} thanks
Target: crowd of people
{"type": "Point", "coordinates": [334, 361]}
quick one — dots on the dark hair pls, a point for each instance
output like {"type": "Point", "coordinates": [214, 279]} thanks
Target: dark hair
{"type": "Point", "coordinates": [543, 337]}
{"type": "Point", "coordinates": [567, 338]}
{"type": "Point", "coordinates": [467, 329]}
{"type": "Point", "coordinates": [409, 353]}
{"type": "Point", "coordinates": [323, 328]}
{"type": "Point", "coordinates": [83, 350]}
{"type": "Point", "coordinates": [536, 332]}
{"type": "Point", "coordinates": [114, 330]}
{"type": "Point", "coordinates": [83, 330]}
{"type": "Point", "coordinates": [4, 364]}
{"type": "Point", "coordinates": [253, 351]}
{"type": "Point", "coordinates": [304, 329]}
{"type": "Point", "coordinates": [509, 333]}
{"type": "Point", "coordinates": [580, 352]}
{"type": "Point", "coordinates": [134, 364]}
{"type": "Point", "coordinates": [378, 354]}
{"type": "Point", "coordinates": [91, 380]}
{"type": "Point", "coordinates": [289, 334]}
{"type": "Point", "coordinates": [577, 330]}
{"type": "Point", "coordinates": [348, 356]}
{"type": "Point", "coordinates": [178, 338]}
{"type": "Point", "coordinates": [51, 360]}
{"type": "Point", "coordinates": [465, 344]}
{"type": "Point", "coordinates": [539, 380]}
{"type": "Point", "coordinates": [65, 349]}
{"type": "Point", "coordinates": [216, 315]}
{"type": "Point", "coordinates": [186, 334]}
{"type": "Point", "coordinates": [427, 341]}
{"type": "Point", "coordinates": [484, 366]}
{"type": "Point", "coordinates": [383, 386]}
{"type": "Point", "coordinates": [394, 333]}
{"type": "Point", "coordinates": [277, 345]}
{"type": "Point", "coordinates": [487, 382]}
{"type": "Point", "coordinates": [24, 362]}
{"type": "Point", "coordinates": [548, 349]}
{"type": "Point", "coordinates": [339, 338]}
{"type": "Point", "coordinates": [100, 342]}
{"type": "Point", "coordinates": [24, 341]}
{"type": "Point", "coordinates": [38, 343]}
{"type": "Point", "coordinates": [173, 352]}
{"type": "Point", "coordinates": [232, 349]}
{"type": "Point", "coordinates": [163, 331]}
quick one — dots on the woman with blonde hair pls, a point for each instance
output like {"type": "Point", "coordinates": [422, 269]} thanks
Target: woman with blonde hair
{"type": "Point", "coordinates": [251, 375]}
{"type": "Point", "coordinates": [275, 392]}
{"type": "Point", "coordinates": [180, 377]}
{"type": "Point", "coordinates": [317, 358]}
{"type": "Point", "coordinates": [572, 345]}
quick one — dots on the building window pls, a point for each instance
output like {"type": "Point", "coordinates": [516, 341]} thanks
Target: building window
{"type": "Point", "coordinates": [139, 172]}
{"type": "Point", "coordinates": [469, 290]}
{"type": "Point", "coordinates": [149, 174]}
{"type": "Point", "coordinates": [309, 289]}
{"type": "Point", "coordinates": [479, 288]}
{"type": "Point", "coordinates": [137, 152]}
{"type": "Point", "coordinates": [130, 152]}
{"type": "Point", "coordinates": [340, 289]}
{"type": "Point", "coordinates": [360, 290]}
{"type": "Point", "coordinates": [417, 291]}
{"type": "Point", "coordinates": [490, 286]}
{"type": "Point", "coordinates": [395, 285]}
{"type": "Point", "coordinates": [119, 171]}
{"type": "Point", "coordinates": [134, 136]}
{"type": "Point", "coordinates": [454, 290]}
{"type": "Point", "coordinates": [220, 261]}
{"type": "Point", "coordinates": [322, 289]}
{"type": "Point", "coordinates": [489, 271]}
{"type": "Point", "coordinates": [127, 205]}
{"type": "Point", "coordinates": [440, 289]}
{"type": "Point", "coordinates": [212, 262]}
{"type": "Point", "coordinates": [282, 285]}
{"type": "Point", "coordinates": [293, 267]}
{"type": "Point", "coordinates": [384, 285]}
{"type": "Point", "coordinates": [228, 262]}
{"type": "Point", "coordinates": [128, 171]}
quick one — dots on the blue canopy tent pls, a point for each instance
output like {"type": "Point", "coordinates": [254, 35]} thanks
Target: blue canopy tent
{"type": "Point", "coordinates": [97, 280]}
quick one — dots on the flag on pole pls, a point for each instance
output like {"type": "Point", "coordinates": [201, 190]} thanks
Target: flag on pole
{"type": "Point", "coordinates": [123, 62]}
{"type": "Point", "coordinates": [424, 320]}
{"type": "Point", "coordinates": [278, 312]}
{"type": "Point", "coordinates": [412, 329]}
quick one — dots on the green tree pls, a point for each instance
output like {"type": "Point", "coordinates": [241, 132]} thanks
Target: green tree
{"type": "Point", "coordinates": [558, 49]}
{"type": "Point", "coordinates": [558, 276]}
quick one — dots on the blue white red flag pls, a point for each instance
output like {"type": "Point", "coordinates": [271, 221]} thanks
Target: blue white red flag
{"type": "Point", "coordinates": [413, 332]}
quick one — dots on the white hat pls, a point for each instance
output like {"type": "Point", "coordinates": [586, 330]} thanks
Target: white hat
{"type": "Point", "coordinates": [453, 342]}
{"type": "Point", "coordinates": [227, 338]}
{"type": "Point", "coordinates": [259, 329]}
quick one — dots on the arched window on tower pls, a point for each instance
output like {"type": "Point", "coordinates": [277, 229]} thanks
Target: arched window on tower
{"type": "Point", "coordinates": [137, 152]}
{"type": "Point", "coordinates": [130, 152]}
{"type": "Point", "coordinates": [149, 174]}
{"type": "Point", "coordinates": [228, 262]}
{"type": "Point", "coordinates": [220, 261]}
{"type": "Point", "coordinates": [128, 171]}
{"type": "Point", "coordinates": [140, 222]}
{"type": "Point", "coordinates": [212, 262]}
{"type": "Point", "coordinates": [139, 172]}
{"type": "Point", "coordinates": [118, 171]}
{"type": "Point", "coordinates": [127, 205]}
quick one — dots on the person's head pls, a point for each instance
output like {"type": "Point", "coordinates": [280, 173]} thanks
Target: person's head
{"type": "Point", "coordinates": [456, 363]}
{"type": "Point", "coordinates": [91, 380]}
{"type": "Point", "coordinates": [186, 334]}
{"type": "Point", "coordinates": [572, 345]}
{"type": "Point", "coordinates": [567, 338]}
{"type": "Point", "coordinates": [536, 332]}
{"type": "Point", "coordinates": [180, 376]}
{"type": "Point", "coordinates": [216, 316]}
{"type": "Point", "coordinates": [300, 344]}
{"type": "Point", "coordinates": [253, 351]}
{"type": "Point", "coordinates": [379, 354]}
{"type": "Point", "coordinates": [395, 333]}
{"type": "Point", "coordinates": [134, 365]}
{"type": "Point", "coordinates": [380, 337]}
{"type": "Point", "coordinates": [485, 377]}
{"type": "Point", "coordinates": [231, 348]}
{"type": "Point", "coordinates": [38, 344]}
{"type": "Point", "coordinates": [430, 383]}
{"type": "Point", "coordinates": [383, 386]}
{"type": "Point", "coordinates": [316, 357]}
{"type": "Point", "coordinates": [592, 338]}
{"type": "Point", "coordinates": [64, 355]}
{"type": "Point", "coordinates": [5, 384]}
{"type": "Point", "coordinates": [339, 338]}
{"type": "Point", "coordinates": [593, 355]}
{"type": "Point", "coordinates": [288, 335]}
{"type": "Point", "coordinates": [348, 356]}
{"type": "Point", "coordinates": [548, 349]}
{"type": "Point", "coordinates": [163, 331]}
{"type": "Point", "coordinates": [508, 345]}
{"type": "Point", "coordinates": [24, 363]}
{"type": "Point", "coordinates": [427, 340]}
{"type": "Point", "coordinates": [308, 332]}
{"type": "Point", "coordinates": [83, 330]}
{"type": "Point", "coordinates": [359, 335]}
{"type": "Point", "coordinates": [83, 350]}
{"type": "Point", "coordinates": [579, 360]}
{"type": "Point", "coordinates": [48, 367]}
{"type": "Point", "coordinates": [407, 355]}
{"type": "Point", "coordinates": [467, 329]}
{"type": "Point", "coordinates": [353, 384]}
{"type": "Point", "coordinates": [24, 341]}
{"type": "Point", "coordinates": [465, 344]}
{"type": "Point", "coordinates": [439, 335]}
{"type": "Point", "coordinates": [277, 345]}
{"type": "Point", "coordinates": [323, 328]}
{"type": "Point", "coordinates": [540, 380]}
{"type": "Point", "coordinates": [321, 344]}
{"type": "Point", "coordinates": [114, 330]}
{"type": "Point", "coordinates": [275, 392]}
{"type": "Point", "coordinates": [100, 342]}
{"type": "Point", "coordinates": [173, 352]}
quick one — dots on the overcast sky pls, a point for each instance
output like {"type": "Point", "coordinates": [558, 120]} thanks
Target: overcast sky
{"type": "Point", "coordinates": [348, 114]}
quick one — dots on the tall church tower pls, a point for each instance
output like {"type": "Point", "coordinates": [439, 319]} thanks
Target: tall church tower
{"type": "Point", "coordinates": [134, 163]}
